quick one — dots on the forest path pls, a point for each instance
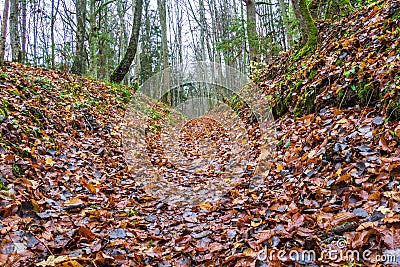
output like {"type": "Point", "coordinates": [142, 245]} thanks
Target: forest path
{"type": "Point", "coordinates": [68, 196]}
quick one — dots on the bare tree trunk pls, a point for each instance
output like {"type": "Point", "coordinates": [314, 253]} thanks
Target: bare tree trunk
{"type": "Point", "coordinates": [123, 67]}
{"type": "Point", "coordinates": [92, 36]}
{"type": "Point", "coordinates": [79, 65]}
{"type": "Point", "coordinates": [4, 30]}
{"type": "Point", "coordinates": [54, 11]}
{"type": "Point", "coordinates": [202, 29]}
{"type": "Point", "coordinates": [16, 54]}
{"type": "Point", "coordinates": [23, 31]}
{"type": "Point", "coordinates": [35, 36]}
{"type": "Point", "coordinates": [163, 22]}
{"type": "Point", "coordinates": [164, 41]}
{"type": "Point", "coordinates": [285, 17]}
{"type": "Point", "coordinates": [123, 37]}
{"type": "Point", "coordinates": [252, 30]}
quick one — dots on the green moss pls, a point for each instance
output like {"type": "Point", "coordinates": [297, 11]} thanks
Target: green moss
{"type": "Point", "coordinates": [338, 8]}
{"type": "Point", "coordinates": [43, 83]}
{"type": "Point", "coordinates": [298, 85]}
{"type": "Point", "coordinates": [339, 62]}
{"type": "Point", "coordinates": [5, 104]}
{"type": "Point", "coordinates": [364, 92]}
{"type": "Point", "coordinates": [16, 169]}
{"type": "Point", "coordinates": [306, 104]}
{"type": "Point", "coordinates": [132, 212]}
{"type": "Point", "coordinates": [3, 186]}
{"type": "Point", "coordinates": [153, 114]}
{"type": "Point", "coordinates": [312, 32]}
{"type": "Point", "coordinates": [15, 92]}
{"type": "Point", "coordinates": [124, 92]}
{"type": "Point", "coordinates": [312, 74]}
{"type": "Point", "coordinates": [155, 127]}
{"type": "Point", "coordinates": [280, 107]}
{"type": "Point", "coordinates": [3, 114]}
{"type": "Point", "coordinates": [297, 112]}
{"type": "Point", "coordinates": [25, 154]}
{"type": "Point", "coordinates": [396, 15]}
{"type": "Point", "coordinates": [4, 76]}
{"type": "Point", "coordinates": [393, 110]}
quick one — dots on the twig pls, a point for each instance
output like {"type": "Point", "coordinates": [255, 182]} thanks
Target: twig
{"type": "Point", "coordinates": [40, 241]}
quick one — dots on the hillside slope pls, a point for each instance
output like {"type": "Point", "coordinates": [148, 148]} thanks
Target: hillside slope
{"type": "Point", "coordinates": [357, 63]}
{"type": "Point", "coordinates": [67, 197]}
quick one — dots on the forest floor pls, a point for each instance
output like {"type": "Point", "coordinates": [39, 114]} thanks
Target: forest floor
{"type": "Point", "coordinates": [68, 196]}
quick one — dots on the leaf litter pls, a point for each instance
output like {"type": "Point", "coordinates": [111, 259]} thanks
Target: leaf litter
{"type": "Point", "coordinates": [68, 198]}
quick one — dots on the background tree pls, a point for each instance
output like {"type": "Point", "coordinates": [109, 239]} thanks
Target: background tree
{"type": "Point", "coordinates": [150, 43]}
{"type": "Point", "coordinates": [4, 30]}
{"type": "Point", "coordinates": [123, 67]}
{"type": "Point", "coordinates": [329, 9]}
{"type": "Point", "coordinates": [91, 37]}
{"type": "Point", "coordinates": [252, 30]}
{"type": "Point", "coordinates": [79, 66]}
{"type": "Point", "coordinates": [16, 52]}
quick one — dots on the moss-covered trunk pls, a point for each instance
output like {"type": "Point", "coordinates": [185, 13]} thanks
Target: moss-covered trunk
{"type": "Point", "coordinates": [308, 29]}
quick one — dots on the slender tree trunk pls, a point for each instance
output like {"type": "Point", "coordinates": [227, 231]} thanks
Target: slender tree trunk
{"type": "Point", "coordinates": [52, 22]}
{"type": "Point", "coordinates": [93, 38]}
{"type": "Point", "coordinates": [14, 34]}
{"type": "Point", "coordinates": [289, 37]}
{"type": "Point", "coordinates": [123, 36]}
{"type": "Point", "coordinates": [337, 8]}
{"type": "Point", "coordinates": [123, 67]}
{"type": "Point", "coordinates": [54, 11]}
{"type": "Point", "coordinates": [4, 30]}
{"type": "Point", "coordinates": [163, 22]}
{"type": "Point", "coordinates": [23, 31]}
{"type": "Point", "coordinates": [244, 48]}
{"type": "Point", "coordinates": [202, 29]}
{"type": "Point", "coordinates": [252, 30]}
{"type": "Point", "coordinates": [79, 65]}
{"type": "Point", "coordinates": [35, 36]}
{"type": "Point", "coordinates": [164, 42]}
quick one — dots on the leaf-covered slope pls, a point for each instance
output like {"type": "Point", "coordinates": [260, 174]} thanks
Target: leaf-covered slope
{"type": "Point", "coordinates": [60, 151]}
{"type": "Point", "coordinates": [68, 199]}
{"type": "Point", "coordinates": [336, 171]}
{"type": "Point", "coordinates": [356, 63]}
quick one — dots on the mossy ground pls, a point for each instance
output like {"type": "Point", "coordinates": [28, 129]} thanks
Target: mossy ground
{"type": "Point", "coordinates": [334, 74]}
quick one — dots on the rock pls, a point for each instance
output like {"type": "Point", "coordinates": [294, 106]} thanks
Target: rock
{"type": "Point", "coordinates": [190, 216]}
{"type": "Point", "coordinates": [364, 148]}
{"type": "Point", "coordinates": [200, 235]}
{"type": "Point", "coordinates": [378, 121]}
{"type": "Point", "coordinates": [231, 233]}
{"type": "Point", "coordinates": [361, 212]}
{"type": "Point", "coordinates": [117, 233]}
{"type": "Point", "coordinates": [150, 218]}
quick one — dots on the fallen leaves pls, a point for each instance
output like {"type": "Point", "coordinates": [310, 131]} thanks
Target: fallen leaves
{"type": "Point", "coordinates": [71, 200]}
